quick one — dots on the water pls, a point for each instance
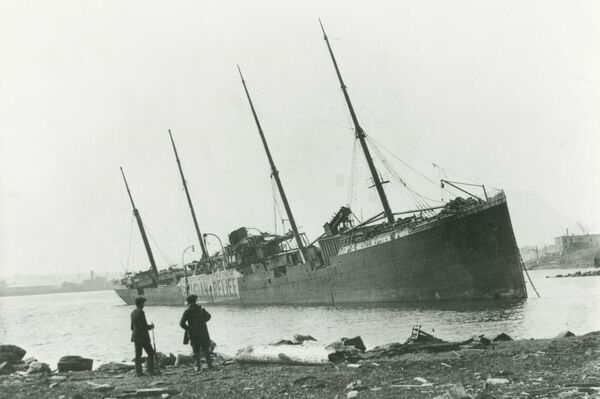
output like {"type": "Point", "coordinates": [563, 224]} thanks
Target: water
{"type": "Point", "coordinates": [96, 324]}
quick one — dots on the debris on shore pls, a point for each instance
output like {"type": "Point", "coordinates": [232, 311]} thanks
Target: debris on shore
{"type": "Point", "coordinates": [591, 273]}
{"type": "Point", "coordinates": [423, 366]}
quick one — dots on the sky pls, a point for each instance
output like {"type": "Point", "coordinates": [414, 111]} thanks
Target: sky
{"type": "Point", "coordinates": [502, 93]}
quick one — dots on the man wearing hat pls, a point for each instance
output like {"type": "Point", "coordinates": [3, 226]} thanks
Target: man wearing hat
{"type": "Point", "coordinates": [140, 337]}
{"type": "Point", "coordinates": [193, 322]}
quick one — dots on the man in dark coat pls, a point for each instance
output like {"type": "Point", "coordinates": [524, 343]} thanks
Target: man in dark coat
{"type": "Point", "coordinates": [193, 322]}
{"type": "Point", "coordinates": [140, 337]}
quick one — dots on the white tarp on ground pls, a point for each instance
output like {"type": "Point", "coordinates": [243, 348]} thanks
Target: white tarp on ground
{"type": "Point", "coordinates": [309, 352]}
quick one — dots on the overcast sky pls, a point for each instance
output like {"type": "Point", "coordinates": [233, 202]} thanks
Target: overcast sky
{"type": "Point", "coordinates": [505, 93]}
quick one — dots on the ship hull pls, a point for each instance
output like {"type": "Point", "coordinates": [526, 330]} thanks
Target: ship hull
{"type": "Point", "coordinates": [219, 288]}
{"type": "Point", "coordinates": [159, 296]}
{"type": "Point", "coordinates": [467, 256]}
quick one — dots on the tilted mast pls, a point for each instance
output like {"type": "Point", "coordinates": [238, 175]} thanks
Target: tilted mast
{"type": "Point", "coordinates": [202, 246]}
{"type": "Point", "coordinates": [136, 213]}
{"type": "Point", "coordinates": [360, 134]}
{"type": "Point", "coordinates": [275, 174]}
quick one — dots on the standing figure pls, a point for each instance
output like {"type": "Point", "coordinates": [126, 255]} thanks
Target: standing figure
{"type": "Point", "coordinates": [193, 322]}
{"type": "Point", "coordinates": [141, 338]}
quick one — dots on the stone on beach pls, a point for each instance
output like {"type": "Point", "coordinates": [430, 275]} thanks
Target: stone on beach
{"type": "Point", "coordinates": [502, 337]}
{"type": "Point", "coordinates": [6, 368]}
{"type": "Point", "coordinates": [74, 363]}
{"type": "Point", "coordinates": [299, 338]}
{"type": "Point", "coordinates": [38, 367]}
{"type": "Point", "coordinates": [164, 360]}
{"type": "Point", "coordinates": [116, 367]}
{"type": "Point", "coordinates": [497, 381]}
{"type": "Point", "coordinates": [100, 387]}
{"type": "Point", "coordinates": [455, 392]}
{"type": "Point", "coordinates": [11, 353]}
{"type": "Point", "coordinates": [564, 334]}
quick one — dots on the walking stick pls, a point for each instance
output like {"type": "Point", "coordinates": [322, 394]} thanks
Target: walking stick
{"type": "Point", "coordinates": [156, 365]}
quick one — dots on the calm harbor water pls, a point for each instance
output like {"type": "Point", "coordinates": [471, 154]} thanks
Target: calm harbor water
{"type": "Point", "coordinates": [96, 324]}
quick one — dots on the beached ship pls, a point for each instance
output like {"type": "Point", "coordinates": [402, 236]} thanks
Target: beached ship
{"type": "Point", "coordinates": [465, 249]}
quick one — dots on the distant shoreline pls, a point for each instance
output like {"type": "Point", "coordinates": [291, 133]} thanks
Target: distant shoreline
{"type": "Point", "coordinates": [43, 290]}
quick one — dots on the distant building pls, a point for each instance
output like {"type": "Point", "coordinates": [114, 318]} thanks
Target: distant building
{"type": "Point", "coordinates": [568, 243]}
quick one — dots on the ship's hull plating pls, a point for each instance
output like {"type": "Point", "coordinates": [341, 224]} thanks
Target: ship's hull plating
{"type": "Point", "coordinates": [468, 256]}
{"type": "Point", "coordinates": [164, 296]}
{"type": "Point", "coordinates": [218, 288]}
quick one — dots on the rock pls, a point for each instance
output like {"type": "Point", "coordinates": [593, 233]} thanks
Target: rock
{"type": "Point", "coordinates": [54, 384]}
{"type": "Point", "coordinates": [455, 392]}
{"type": "Point", "coordinates": [6, 368]}
{"type": "Point", "coordinates": [356, 386]}
{"type": "Point", "coordinates": [356, 342]}
{"type": "Point", "coordinates": [100, 387]}
{"type": "Point", "coordinates": [74, 363]}
{"type": "Point", "coordinates": [57, 378]}
{"type": "Point", "coordinates": [284, 342]}
{"type": "Point", "coordinates": [298, 338]}
{"type": "Point", "coordinates": [502, 337]}
{"type": "Point", "coordinates": [115, 367]}
{"type": "Point", "coordinates": [352, 394]}
{"type": "Point", "coordinates": [497, 381]}
{"type": "Point", "coordinates": [11, 353]}
{"type": "Point", "coordinates": [38, 367]}
{"type": "Point", "coordinates": [388, 350]}
{"type": "Point", "coordinates": [348, 353]}
{"type": "Point", "coordinates": [164, 360]}
{"type": "Point", "coordinates": [458, 392]}
{"type": "Point", "coordinates": [564, 334]}
{"type": "Point", "coordinates": [421, 380]}
{"type": "Point", "coordinates": [29, 360]}
{"type": "Point", "coordinates": [303, 379]}
{"type": "Point", "coordinates": [184, 359]}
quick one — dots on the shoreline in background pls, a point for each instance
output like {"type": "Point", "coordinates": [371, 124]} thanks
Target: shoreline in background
{"type": "Point", "coordinates": [45, 289]}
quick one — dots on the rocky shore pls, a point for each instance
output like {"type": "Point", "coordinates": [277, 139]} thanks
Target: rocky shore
{"type": "Point", "coordinates": [424, 367]}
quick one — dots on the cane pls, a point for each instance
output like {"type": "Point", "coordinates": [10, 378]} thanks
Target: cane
{"type": "Point", "coordinates": [156, 365]}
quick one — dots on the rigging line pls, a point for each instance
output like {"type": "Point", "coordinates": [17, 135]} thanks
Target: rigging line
{"type": "Point", "coordinates": [395, 174]}
{"type": "Point", "coordinates": [407, 192]}
{"type": "Point", "coordinates": [399, 136]}
{"type": "Point", "coordinates": [274, 207]}
{"type": "Point", "coordinates": [130, 247]}
{"type": "Point", "coordinates": [277, 206]}
{"type": "Point", "coordinates": [352, 178]}
{"type": "Point", "coordinates": [169, 262]}
{"type": "Point", "coordinates": [375, 142]}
